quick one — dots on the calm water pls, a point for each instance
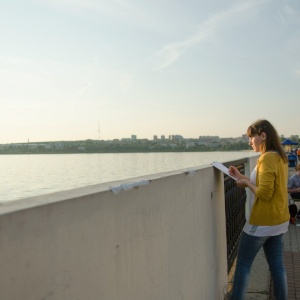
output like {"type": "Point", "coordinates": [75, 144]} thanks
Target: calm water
{"type": "Point", "coordinates": [30, 175]}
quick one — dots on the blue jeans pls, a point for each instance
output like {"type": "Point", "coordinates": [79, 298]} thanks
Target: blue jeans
{"type": "Point", "coordinates": [248, 248]}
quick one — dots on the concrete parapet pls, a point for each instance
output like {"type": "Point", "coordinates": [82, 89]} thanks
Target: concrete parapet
{"type": "Point", "coordinates": [157, 237]}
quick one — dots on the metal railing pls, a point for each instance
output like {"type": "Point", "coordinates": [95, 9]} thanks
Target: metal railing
{"type": "Point", "coordinates": [235, 199]}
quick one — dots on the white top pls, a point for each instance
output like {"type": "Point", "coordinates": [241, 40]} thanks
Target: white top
{"type": "Point", "coordinates": [261, 230]}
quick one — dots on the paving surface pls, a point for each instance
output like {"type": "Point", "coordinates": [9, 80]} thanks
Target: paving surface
{"type": "Point", "coordinates": [292, 260]}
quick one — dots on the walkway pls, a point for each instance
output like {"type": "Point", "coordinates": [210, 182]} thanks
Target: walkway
{"type": "Point", "coordinates": [292, 260]}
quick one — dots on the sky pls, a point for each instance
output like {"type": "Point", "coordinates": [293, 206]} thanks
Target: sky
{"type": "Point", "coordinates": [95, 69]}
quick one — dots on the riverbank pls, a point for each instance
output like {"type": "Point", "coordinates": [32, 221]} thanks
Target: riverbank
{"type": "Point", "coordinates": [127, 146]}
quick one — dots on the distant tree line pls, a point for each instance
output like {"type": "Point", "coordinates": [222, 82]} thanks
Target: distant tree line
{"type": "Point", "coordinates": [94, 146]}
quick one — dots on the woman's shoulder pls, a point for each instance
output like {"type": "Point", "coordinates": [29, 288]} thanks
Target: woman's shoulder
{"type": "Point", "coordinates": [267, 156]}
{"type": "Point", "coordinates": [271, 160]}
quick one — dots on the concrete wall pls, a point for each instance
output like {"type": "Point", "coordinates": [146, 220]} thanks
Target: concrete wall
{"type": "Point", "coordinates": [164, 239]}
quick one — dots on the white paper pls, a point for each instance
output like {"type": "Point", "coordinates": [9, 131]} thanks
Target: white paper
{"type": "Point", "coordinates": [222, 168]}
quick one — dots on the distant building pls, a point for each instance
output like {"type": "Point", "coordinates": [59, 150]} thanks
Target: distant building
{"type": "Point", "coordinates": [245, 137]}
{"type": "Point", "coordinates": [294, 137]}
{"type": "Point", "coordinates": [189, 144]}
{"type": "Point", "coordinates": [176, 137]}
{"type": "Point", "coordinates": [155, 137]}
{"type": "Point", "coordinates": [163, 137]}
{"type": "Point", "coordinates": [133, 137]}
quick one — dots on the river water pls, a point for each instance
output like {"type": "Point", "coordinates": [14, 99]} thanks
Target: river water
{"type": "Point", "coordinates": [23, 176]}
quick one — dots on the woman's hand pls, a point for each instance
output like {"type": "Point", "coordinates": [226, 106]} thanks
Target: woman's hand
{"type": "Point", "coordinates": [233, 171]}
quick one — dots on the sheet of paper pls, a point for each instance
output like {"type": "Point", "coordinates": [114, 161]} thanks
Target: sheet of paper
{"type": "Point", "coordinates": [222, 168]}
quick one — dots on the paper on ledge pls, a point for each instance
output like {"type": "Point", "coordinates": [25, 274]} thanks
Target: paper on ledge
{"type": "Point", "coordinates": [222, 168]}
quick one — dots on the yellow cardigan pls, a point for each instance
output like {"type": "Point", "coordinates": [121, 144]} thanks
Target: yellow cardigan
{"type": "Point", "coordinates": [271, 198]}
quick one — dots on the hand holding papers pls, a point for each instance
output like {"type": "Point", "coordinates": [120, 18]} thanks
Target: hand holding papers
{"type": "Point", "coordinates": [222, 168]}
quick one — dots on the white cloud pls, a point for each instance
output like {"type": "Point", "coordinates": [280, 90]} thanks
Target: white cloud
{"type": "Point", "coordinates": [237, 14]}
{"type": "Point", "coordinates": [168, 55]}
{"type": "Point", "coordinates": [289, 10]}
{"type": "Point", "coordinates": [84, 90]}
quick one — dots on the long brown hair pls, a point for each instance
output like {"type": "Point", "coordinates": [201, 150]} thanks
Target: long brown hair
{"type": "Point", "coordinates": [272, 141]}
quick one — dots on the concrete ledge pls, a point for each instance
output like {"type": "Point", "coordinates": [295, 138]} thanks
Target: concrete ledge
{"type": "Point", "coordinates": [158, 240]}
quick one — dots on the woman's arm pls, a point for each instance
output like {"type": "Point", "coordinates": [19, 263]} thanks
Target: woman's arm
{"type": "Point", "coordinates": [243, 183]}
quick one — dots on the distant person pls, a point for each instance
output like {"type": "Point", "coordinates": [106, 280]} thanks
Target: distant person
{"type": "Point", "coordinates": [294, 184]}
{"type": "Point", "coordinates": [298, 153]}
{"type": "Point", "coordinates": [268, 206]}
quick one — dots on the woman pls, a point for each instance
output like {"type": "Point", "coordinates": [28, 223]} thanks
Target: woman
{"type": "Point", "coordinates": [268, 207]}
{"type": "Point", "coordinates": [294, 184]}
